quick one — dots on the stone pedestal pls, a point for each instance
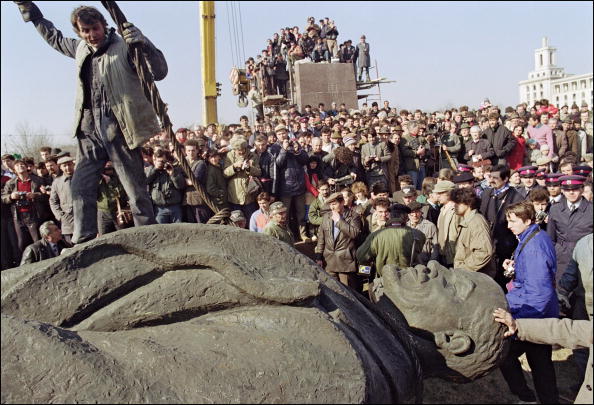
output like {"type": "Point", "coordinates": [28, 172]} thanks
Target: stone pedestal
{"type": "Point", "coordinates": [325, 83]}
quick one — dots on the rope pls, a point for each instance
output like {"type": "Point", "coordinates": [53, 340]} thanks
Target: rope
{"type": "Point", "coordinates": [152, 93]}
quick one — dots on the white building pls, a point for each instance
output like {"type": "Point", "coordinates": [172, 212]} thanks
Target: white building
{"type": "Point", "coordinates": [549, 81]}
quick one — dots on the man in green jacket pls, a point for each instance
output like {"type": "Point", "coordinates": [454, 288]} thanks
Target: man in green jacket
{"type": "Point", "coordinates": [278, 227]}
{"type": "Point", "coordinates": [395, 244]}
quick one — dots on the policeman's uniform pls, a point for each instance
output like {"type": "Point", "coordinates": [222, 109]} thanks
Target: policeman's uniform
{"type": "Point", "coordinates": [568, 223]}
{"type": "Point", "coordinates": [527, 172]}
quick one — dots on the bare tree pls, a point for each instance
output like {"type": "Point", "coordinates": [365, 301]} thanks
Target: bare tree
{"type": "Point", "coordinates": [26, 141]}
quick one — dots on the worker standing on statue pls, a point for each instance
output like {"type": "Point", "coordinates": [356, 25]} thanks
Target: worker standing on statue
{"type": "Point", "coordinates": [113, 117]}
{"type": "Point", "coordinates": [362, 56]}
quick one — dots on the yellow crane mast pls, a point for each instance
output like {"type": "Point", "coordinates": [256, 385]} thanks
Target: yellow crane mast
{"type": "Point", "coordinates": [210, 87]}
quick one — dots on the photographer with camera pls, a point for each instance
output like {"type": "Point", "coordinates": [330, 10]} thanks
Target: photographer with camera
{"type": "Point", "coordinates": [166, 184]}
{"type": "Point", "coordinates": [531, 294]}
{"type": "Point", "coordinates": [290, 158]}
{"type": "Point", "coordinates": [23, 194]}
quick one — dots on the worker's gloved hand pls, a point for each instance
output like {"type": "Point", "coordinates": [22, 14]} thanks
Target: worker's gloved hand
{"type": "Point", "coordinates": [132, 35]}
{"type": "Point", "coordinates": [29, 10]}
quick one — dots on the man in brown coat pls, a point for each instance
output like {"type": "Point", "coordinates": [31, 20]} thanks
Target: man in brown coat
{"type": "Point", "coordinates": [337, 237]}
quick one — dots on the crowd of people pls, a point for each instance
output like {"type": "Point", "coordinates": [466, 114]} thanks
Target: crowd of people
{"type": "Point", "coordinates": [269, 72]}
{"type": "Point", "coordinates": [366, 187]}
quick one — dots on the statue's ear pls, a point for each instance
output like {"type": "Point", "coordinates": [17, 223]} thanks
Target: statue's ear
{"type": "Point", "coordinates": [455, 341]}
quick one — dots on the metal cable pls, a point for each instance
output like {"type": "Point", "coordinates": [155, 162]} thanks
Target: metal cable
{"type": "Point", "coordinates": [230, 36]}
{"type": "Point", "coordinates": [235, 34]}
{"type": "Point", "coordinates": [152, 93]}
{"type": "Point", "coordinates": [241, 28]}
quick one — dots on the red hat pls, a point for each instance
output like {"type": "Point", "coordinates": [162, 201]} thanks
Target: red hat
{"type": "Point", "coordinates": [541, 174]}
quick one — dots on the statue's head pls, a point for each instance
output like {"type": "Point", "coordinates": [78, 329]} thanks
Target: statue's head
{"type": "Point", "coordinates": [451, 309]}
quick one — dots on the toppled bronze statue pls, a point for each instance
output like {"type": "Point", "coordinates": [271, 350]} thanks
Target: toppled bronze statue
{"type": "Point", "coordinates": [194, 313]}
{"type": "Point", "coordinates": [447, 311]}
{"type": "Point", "coordinates": [207, 313]}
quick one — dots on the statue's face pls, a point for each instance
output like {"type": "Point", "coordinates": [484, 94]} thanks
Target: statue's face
{"type": "Point", "coordinates": [413, 288]}
{"type": "Point", "coordinates": [450, 310]}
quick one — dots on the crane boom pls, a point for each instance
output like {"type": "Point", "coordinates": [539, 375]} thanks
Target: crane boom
{"type": "Point", "coordinates": [209, 85]}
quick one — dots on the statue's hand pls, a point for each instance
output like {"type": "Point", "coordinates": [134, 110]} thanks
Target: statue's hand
{"type": "Point", "coordinates": [29, 10]}
{"type": "Point", "coordinates": [132, 35]}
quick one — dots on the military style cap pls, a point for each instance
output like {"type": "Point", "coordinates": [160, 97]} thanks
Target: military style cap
{"type": "Point", "coordinates": [336, 135]}
{"type": "Point", "coordinates": [464, 126]}
{"type": "Point", "coordinates": [397, 128]}
{"type": "Point", "coordinates": [335, 197]}
{"type": "Point", "coordinates": [463, 177]}
{"type": "Point", "coordinates": [303, 119]}
{"type": "Point", "coordinates": [541, 174]}
{"type": "Point", "coordinates": [384, 130]}
{"type": "Point", "coordinates": [582, 170]}
{"type": "Point", "coordinates": [552, 179]}
{"type": "Point", "coordinates": [527, 171]}
{"type": "Point", "coordinates": [572, 182]}
{"type": "Point", "coordinates": [464, 168]}
{"type": "Point", "coordinates": [277, 207]}
{"type": "Point", "coordinates": [567, 120]}
{"type": "Point", "coordinates": [409, 191]}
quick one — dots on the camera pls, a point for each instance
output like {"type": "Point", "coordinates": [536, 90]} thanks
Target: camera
{"type": "Point", "coordinates": [541, 216]}
{"type": "Point", "coordinates": [22, 201]}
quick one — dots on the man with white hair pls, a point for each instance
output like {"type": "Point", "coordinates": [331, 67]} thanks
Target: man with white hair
{"type": "Point", "coordinates": [50, 245]}
{"type": "Point", "coordinates": [478, 148]}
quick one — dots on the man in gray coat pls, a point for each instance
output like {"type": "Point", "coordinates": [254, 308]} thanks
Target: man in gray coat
{"type": "Point", "coordinates": [113, 116]}
{"type": "Point", "coordinates": [60, 199]}
{"type": "Point", "coordinates": [362, 56]}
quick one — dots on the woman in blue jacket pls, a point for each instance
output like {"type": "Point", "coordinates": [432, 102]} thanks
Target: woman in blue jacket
{"type": "Point", "coordinates": [531, 294]}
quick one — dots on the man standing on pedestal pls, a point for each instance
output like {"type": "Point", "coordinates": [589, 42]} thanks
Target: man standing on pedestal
{"type": "Point", "coordinates": [113, 116]}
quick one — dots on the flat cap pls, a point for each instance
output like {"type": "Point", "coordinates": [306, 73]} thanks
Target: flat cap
{"type": "Point", "coordinates": [463, 177]}
{"type": "Point", "coordinates": [335, 197]}
{"type": "Point", "coordinates": [443, 186]}
{"type": "Point", "coordinates": [65, 159]}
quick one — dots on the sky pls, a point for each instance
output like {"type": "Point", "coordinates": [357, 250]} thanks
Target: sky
{"type": "Point", "coordinates": [441, 54]}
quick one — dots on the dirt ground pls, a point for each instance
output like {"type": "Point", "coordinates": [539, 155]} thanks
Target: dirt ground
{"type": "Point", "coordinates": [492, 388]}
